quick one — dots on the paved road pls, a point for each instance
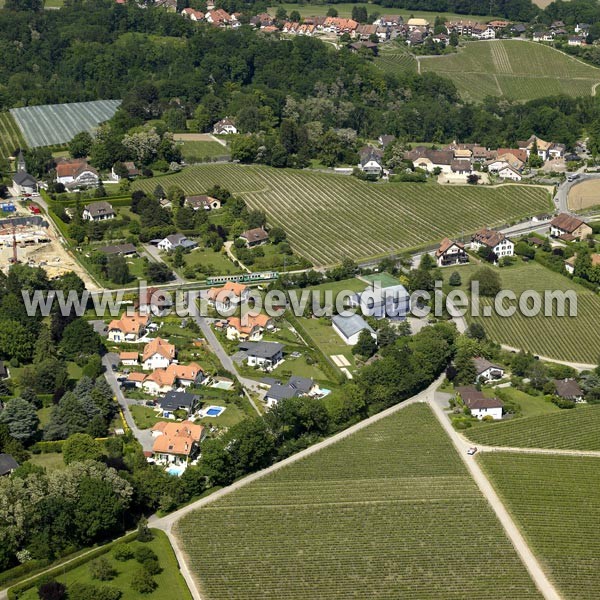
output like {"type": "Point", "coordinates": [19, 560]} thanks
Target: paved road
{"type": "Point", "coordinates": [155, 255]}
{"type": "Point", "coordinates": [144, 436]}
{"type": "Point", "coordinates": [562, 192]}
{"type": "Point", "coordinates": [514, 535]}
{"type": "Point", "coordinates": [575, 365]}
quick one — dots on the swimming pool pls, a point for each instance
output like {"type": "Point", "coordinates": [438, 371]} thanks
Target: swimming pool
{"type": "Point", "coordinates": [213, 411]}
{"type": "Point", "coordinates": [176, 470]}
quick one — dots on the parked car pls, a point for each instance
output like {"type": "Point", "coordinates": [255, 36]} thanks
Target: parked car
{"type": "Point", "coordinates": [471, 451]}
{"type": "Point", "coordinates": [34, 209]}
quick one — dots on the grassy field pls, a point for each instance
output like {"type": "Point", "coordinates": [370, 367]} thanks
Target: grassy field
{"type": "Point", "coordinates": [328, 217]}
{"type": "Point", "coordinates": [574, 429]}
{"type": "Point", "coordinates": [170, 582]}
{"type": "Point", "coordinates": [388, 513]}
{"type": "Point", "coordinates": [210, 261]}
{"type": "Point", "coordinates": [200, 151]}
{"type": "Point", "coordinates": [563, 338]}
{"type": "Point", "coordinates": [395, 59]}
{"type": "Point", "coordinates": [514, 69]}
{"type": "Point", "coordinates": [530, 406]}
{"type": "Point", "coordinates": [345, 10]}
{"type": "Point", "coordinates": [144, 416]}
{"type": "Point", "coordinates": [10, 135]}
{"type": "Point", "coordinates": [584, 195]}
{"type": "Point", "coordinates": [555, 502]}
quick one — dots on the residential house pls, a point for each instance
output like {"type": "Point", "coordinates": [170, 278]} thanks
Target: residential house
{"type": "Point", "coordinates": [153, 301]}
{"type": "Point", "coordinates": [499, 24]}
{"type": "Point", "coordinates": [129, 328]}
{"type": "Point", "coordinates": [224, 127]}
{"type": "Point", "coordinates": [496, 241]}
{"type": "Point", "coordinates": [371, 161]}
{"type": "Point", "coordinates": [7, 464]}
{"type": "Point", "coordinates": [202, 202]}
{"type": "Point", "coordinates": [516, 157]}
{"type": "Point", "coordinates": [129, 359]}
{"type": "Point", "coordinates": [98, 211]}
{"type": "Point", "coordinates": [478, 404]}
{"type": "Point", "coordinates": [582, 28]}
{"type": "Point", "coordinates": [508, 172]}
{"type": "Point", "coordinates": [176, 240]}
{"type": "Point", "coordinates": [250, 327]}
{"type": "Point", "coordinates": [386, 140]}
{"type": "Point", "coordinates": [576, 40]}
{"type": "Point", "coordinates": [364, 32]}
{"type": "Point", "coordinates": [119, 249]}
{"type": "Point", "coordinates": [568, 389]}
{"type": "Point", "coordinates": [461, 167]}
{"type": "Point", "coordinates": [136, 379]}
{"type": "Point", "coordinates": [570, 263]}
{"type": "Point", "coordinates": [415, 23]}
{"type": "Point", "coordinates": [175, 444]}
{"type": "Point", "coordinates": [76, 173]}
{"type": "Point", "coordinates": [357, 46]}
{"type": "Point", "coordinates": [415, 37]}
{"type": "Point", "coordinates": [173, 401]}
{"type": "Point", "coordinates": [192, 14]}
{"type": "Point", "coordinates": [486, 371]}
{"type": "Point", "coordinates": [218, 17]}
{"type": "Point", "coordinates": [296, 387]}
{"type": "Point", "coordinates": [158, 354]}
{"type": "Point", "coordinates": [265, 355]}
{"type": "Point", "coordinates": [230, 295]}
{"type": "Point", "coordinates": [23, 182]}
{"type": "Point", "coordinates": [350, 328]}
{"type": "Point", "coordinates": [451, 253]}
{"type": "Point", "coordinates": [518, 29]}
{"type": "Point", "coordinates": [161, 381]}
{"type": "Point", "coordinates": [545, 150]}
{"type": "Point", "coordinates": [255, 237]}
{"type": "Point", "coordinates": [390, 20]}
{"type": "Point", "coordinates": [542, 36]}
{"type": "Point", "coordinates": [569, 228]}
{"type": "Point", "coordinates": [430, 160]}
{"type": "Point", "coordinates": [391, 302]}
{"type": "Point", "coordinates": [340, 26]}
{"type": "Point", "coordinates": [132, 171]}
{"type": "Point", "coordinates": [262, 20]}
{"type": "Point", "coordinates": [441, 38]}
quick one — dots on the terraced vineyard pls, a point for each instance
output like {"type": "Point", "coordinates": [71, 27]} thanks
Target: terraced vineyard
{"type": "Point", "coordinates": [576, 429]}
{"type": "Point", "coordinates": [395, 59]}
{"type": "Point", "coordinates": [387, 513]}
{"type": "Point", "coordinates": [57, 123]}
{"type": "Point", "coordinates": [328, 217]}
{"type": "Point", "coordinates": [555, 502]}
{"type": "Point", "coordinates": [515, 69]}
{"type": "Point", "coordinates": [10, 136]}
{"type": "Point", "coordinates": [567, 338]}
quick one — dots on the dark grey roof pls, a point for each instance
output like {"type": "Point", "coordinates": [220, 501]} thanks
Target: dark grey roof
{"type": "Point", "coordinates": [7, 464]}
{"type": "Point", "coordinates": [97, 209]}
{"type": "Point", "coordinates": [3, 370]}
{"type": "Point", "coordinates": [281, 392]}
{"type": "Point", "coordinates": [24, 178]}
{"type": "Point", "coordinates": [270, 381]}
{"type": "Point", "coordinates": [175, 400]}
{"type": "Point", "coordinates": [262, 349]}
{"type": "Point", "coordinates": [567, 388]}
{"type": "Point", "coordinates": [351, 325]}
{"type": "Point", "coordinates": [118, 249]}
{"type": "Point", "coordinates": [34, 220]}
{"type": "Point", "coordinates": [482, 365]}
{"type": "Point", "coordinates": [302, 384]}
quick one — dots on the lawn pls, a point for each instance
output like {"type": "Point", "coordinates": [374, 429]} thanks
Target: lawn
{"type": "Point", "coordinates": [515, 69]}
{"type": "Point", "coordinates": [144, 416]}
{"type": "Point", "coordinates": [209, 262]}
{"type": "Point", "coordinates": [562, 338]}
{"type": "Point", "coordinates": [531, 406]}
{"type": "Point", "coordinates": [389, 512]}
{"type": "Point", "coordinates": [170, 582]}
{"type": "Point", "coordinates": [328, 217]}
{"type": "Point", "coordinates": [383, 279]}
{"type": "Point", "coordinates": [200, 151]}
{"type": "Point", "coordinates": [573, 429]}
{"type": "Point", "coordinates": [555, 502]}
{"type": "Point", "coordinates": [51, 461]}
{"type": "Point", "coordinates": [11, 137]}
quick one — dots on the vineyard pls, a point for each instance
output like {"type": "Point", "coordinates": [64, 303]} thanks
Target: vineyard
{"type": "Point", "coordinates": [555, 501]}
{"type": "Point", "coordinates": [567, 338]}
{"type": "Point", "coordinates": [387, 513]}
{"type": "Point", "coordinates": [515, 69]}
{"type": "Point", "coordinates": [328, 217]}
{"type": "Point", "coordinates": [53, 124]}
{"type": "Point", "coordinates": [10, 136]}
{"type": "Point", "coordinates": [575, 429]}
{"type": "Point", "coordinates": [395, 59]}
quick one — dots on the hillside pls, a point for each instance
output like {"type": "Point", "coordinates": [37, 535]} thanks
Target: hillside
{"type": "Point", "coordinates": [515, 69]}
{"type": "Point", "coordinates": [389, 512]}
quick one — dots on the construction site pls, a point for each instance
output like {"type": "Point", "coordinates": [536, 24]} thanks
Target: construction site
{"type": "Point", "coordinates": [31, 240]}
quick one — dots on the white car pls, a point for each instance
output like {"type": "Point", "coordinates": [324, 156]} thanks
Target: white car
{"type": "Point", "coordinates": [471, 451]}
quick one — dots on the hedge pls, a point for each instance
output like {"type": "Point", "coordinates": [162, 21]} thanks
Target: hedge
{"type": "Point", "coordinates": [15, 592]}
{"type": "Point", "coordinates": [47, 447]}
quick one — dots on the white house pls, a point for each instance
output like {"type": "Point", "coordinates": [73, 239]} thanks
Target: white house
{"type": "Point", "coordinates": [129, 359]}
{"type": "Point", "coordinates": [507, 172]}
{"type": "Point", "coordinates": [224, 127]}
{"type": "Point", "coordinates": [371, 161]}
{"type": "Point", "coordinates": [487, 371]}
{"type": "Point", "coordinates": [98, 211]}
{"type": "Point", "coordinates": [175, 240]}
{"type": "Point", "coordinates": [158, 354]}
{"type": "Point", "coordinates": [231, 294]}
{"type": "Point", "coordinates": [350, 328]}
{"type": "Point", "coordinates": [479, 405]}
{"type": "Point", "coordinates": [265, 355]}
{"type": "Point", "coordinates": [451, 253]}
{"type": "Point", "coordinates": [496, 241]}
{"type": "Point", "coordinates": [129, 328]}
{"type": "Point", "coordinates": [74, 173]}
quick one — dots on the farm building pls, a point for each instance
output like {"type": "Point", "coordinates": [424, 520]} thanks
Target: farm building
{"type": "Point", "coordinates": [98, 211]}
{"type": "Point", "coordinates": [569, 228]}
{"type": "Point", "coordinates": [350, 328]}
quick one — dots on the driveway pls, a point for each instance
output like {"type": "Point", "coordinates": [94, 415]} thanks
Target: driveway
{"type": "Point", "coordinates": [154, 253]}
{"type": "Point", "coordinates": [144, 436]}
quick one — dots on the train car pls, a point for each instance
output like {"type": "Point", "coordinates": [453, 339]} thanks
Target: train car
{"type": "Point", "coordinates": [243, 278]}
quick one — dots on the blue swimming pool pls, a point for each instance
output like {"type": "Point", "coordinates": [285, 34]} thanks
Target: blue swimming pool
{"type": "Point", "coordinates": [214, 411]}
{"type": "Point", "coordinates": [176, 470]}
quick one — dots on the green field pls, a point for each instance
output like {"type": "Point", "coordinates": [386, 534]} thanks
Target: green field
{"type": "Point", "coordinates": [387, 513]}
{"type": "Point", "coordinates": [562, 338]}
{"type": "Point", "coordinates": [10, 135]}
{"type": "Point", "coordinates": [395, 59]}
{"type": "Point", "coordinates": [555, 502]}
{"type": "Point", "coordinates": [328, 217]}
{"type": "Point", "coordinates": [170, 582]}
{"type": "Point", "coordinates": [574, 429]}
{"type": "Point", "coordinates": [345, 10]}
{"type": "Point", "coordinates": [514, 69]}
{"type": "Point", "coordinates": [200, 151]}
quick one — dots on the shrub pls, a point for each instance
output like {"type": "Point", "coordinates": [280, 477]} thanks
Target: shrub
{"type": "Point", "coordinates": [101, 569]}
{"type": "Point", "coordinates": [122, 552]}
{"type": "Point", "coordinates": [52, 590]}
{"type": "Point", "coordinates": [87, 591]}
{"type": "Point", "coordinates": [455, 279]}
{"type": "Point", "coordinates": [143, 533]}
{"type": "Point", "coordinates": [143, 553]}
{"type": "Point", "coordinates": [152, 566]}
{"type": "Point", "coordinates": [142, 582]}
